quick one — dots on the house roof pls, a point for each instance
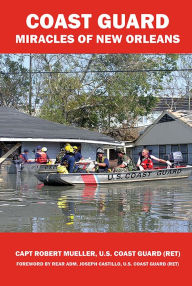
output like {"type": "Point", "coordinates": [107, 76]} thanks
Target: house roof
{"type": "Point", "coordinates": [169, 128]}
{"type": "Point", "coordinates": [183, 115]}
{"type": "Point", "coordinates": [18, 126]}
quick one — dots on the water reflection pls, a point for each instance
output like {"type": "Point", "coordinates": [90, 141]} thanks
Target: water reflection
{"type": "Point", "coordinates": [28, 206]}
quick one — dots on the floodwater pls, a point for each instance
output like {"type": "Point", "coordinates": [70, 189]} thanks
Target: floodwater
{"type": "Point", "coordinates": [28, 206]}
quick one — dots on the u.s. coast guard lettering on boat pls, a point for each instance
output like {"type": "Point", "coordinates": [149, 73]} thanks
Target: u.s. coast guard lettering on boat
{"type": "Point", "coordinates": [145, 174]}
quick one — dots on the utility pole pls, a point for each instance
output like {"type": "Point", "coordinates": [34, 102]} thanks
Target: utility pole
{"type": "Point", "coordinates": [30, 84]}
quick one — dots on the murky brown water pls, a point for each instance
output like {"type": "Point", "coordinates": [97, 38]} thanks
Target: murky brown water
{"type": "Point", "coordinates": [28, 206]}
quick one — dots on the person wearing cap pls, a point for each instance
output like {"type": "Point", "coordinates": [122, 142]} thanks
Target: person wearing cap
{"type": "Point", "coordinates": [125, 163]}
{"type": "Point", "coordinates": [62, 153]}
{"type": "Point", "coordinates": [41, 156]}
{"type": "Point", "coordinates": [77, 155]}
{"type": "Point", "coordinates": [44, 149]}
{"type": "Point", "coordinates": [68, 150]}
{"type": "Point", "coordinates": [102, 163]}
{"type": "Point", "coordinates": [38, 151]}
{"type": "Point", "coordinates": [69, 158]}
{"type": "Point", "coordinates": [24, 156]}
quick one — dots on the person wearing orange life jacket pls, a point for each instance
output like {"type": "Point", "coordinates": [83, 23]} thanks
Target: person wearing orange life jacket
{"type": "Point", "coordinates": [24, 156]}
{"type": "Point", "coordinates": [145, 161]}
{"type": "Point", "coordinates": [41, 156]}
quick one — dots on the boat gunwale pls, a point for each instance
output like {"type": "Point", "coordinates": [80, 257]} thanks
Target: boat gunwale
{"type": "Point", "coordinates": [113, 173]}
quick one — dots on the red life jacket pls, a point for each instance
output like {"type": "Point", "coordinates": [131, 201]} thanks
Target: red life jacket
{"type": "Point", "coordinates": [42, 159]}
{"type": "Point", "coordinates": [147, 164]}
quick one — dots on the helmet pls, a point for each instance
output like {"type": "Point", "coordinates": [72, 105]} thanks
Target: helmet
{"type": "Point", "coordinates": [44, 149]}
{"type": "Point", "coordinates": [67, 148]}
{"type": "Point", "coordinates": [100, 151]}
{"type": "Point", "coordinates": [120, 150]}
{"type": "Point", "coordinates": [75, 147]}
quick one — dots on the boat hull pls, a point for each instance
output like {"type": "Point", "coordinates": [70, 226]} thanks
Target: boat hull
{"type": "Point", "coordinates": [51, 178]}
{"type": "Point", "coordinates": [30, 168]}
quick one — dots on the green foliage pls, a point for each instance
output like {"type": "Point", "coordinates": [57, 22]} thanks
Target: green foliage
{"type": "Point", "coordinates": [97, 100]}
{"type": "Point", "coordinates": [69, 90]}
{"type": "Point", "coordinates": [14, 83]}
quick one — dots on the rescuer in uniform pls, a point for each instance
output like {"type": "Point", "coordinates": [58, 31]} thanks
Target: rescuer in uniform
{"type": "Point", "coordinates": [24, 156]}
{"type": "Point", "coordinates": [70, 158]}
{"type": "Point", "coordinates": [125, 163]}
{"type": "Point", "coordinates": [41, 156]}
{"type": "Point", "coordinates": [102, 163]}
{"type": "Point", "coordinates": [78, 155]}
{"type": "Point", "coordinates": [68, 149]}
{"type": "Point", "coordinates": [145, 160]}
{"type": "Point", "coordinates": [61, 154]}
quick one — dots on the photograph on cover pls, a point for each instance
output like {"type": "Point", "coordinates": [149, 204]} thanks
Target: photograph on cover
{"type": "Point", "coordinates": [95, 143]}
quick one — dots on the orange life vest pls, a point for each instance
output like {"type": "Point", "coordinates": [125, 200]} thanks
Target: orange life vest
{"type": "Point", "coordinates": [42, 159]}
{"type": "Point", "coordinates": [147, 164]}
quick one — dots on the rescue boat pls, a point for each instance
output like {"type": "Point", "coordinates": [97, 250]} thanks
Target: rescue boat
{"type": "Point", "coordinates": [58, 179]}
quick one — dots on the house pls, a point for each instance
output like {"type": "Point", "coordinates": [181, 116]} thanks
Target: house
{"type": "Point", "coordinates": [170, 132]}
{"type": "Point", "coordinates": [18, 127]}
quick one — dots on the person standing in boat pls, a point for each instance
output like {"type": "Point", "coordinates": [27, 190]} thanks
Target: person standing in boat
{"type": "Point", "coordinates": [61, 154]}
{"type": "Point", "coordinates": [145, 160]}
{"type": "Point", "coordinates": [24, 156]}
{"type": "Point", "coordinates": [44, 150]}
{"type": "Point", "coordinates": [78, 155]}
{"type": "Point", "coordinates": [125, 163]}
{"type": "Point", "coordinates": [41, 156]}
{"type": "Point", "coordinates": [37, 154]}
{"type": "Point", "coordinates": [70, 158]}
{"type": "Point", "coordinates": [68, 149]}
{"type": "Point", "coordinates": [102, 163]}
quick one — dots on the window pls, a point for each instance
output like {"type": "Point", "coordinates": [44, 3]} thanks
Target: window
{"type": "Point", "coordinates": [166, 118]}
{"type": "Point", "coordinates": [162, 152]}
{"type": "Point", "coordinates": [184, 151]}
{"type": "Point", "coordinates": [174, 148]}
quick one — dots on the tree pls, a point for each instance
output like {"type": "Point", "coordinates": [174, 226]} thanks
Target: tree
{"type": "Point", "coordinates": [14, 82]}
{"type": "Point", "coordinates": [102, 90]}
{"type": "Point", "coordinates": [177, 88]}
{"type": "Point", "coordinates": [119, 96]}
{"type": "Point", "coordinates": [98, 91]}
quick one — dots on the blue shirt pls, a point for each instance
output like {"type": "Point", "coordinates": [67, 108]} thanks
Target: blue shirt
{"type": "Point", "coordinates": [104, 169]}
{"type": "Point", "coordinates": [65, 158]}
{"type": "Point", "coordinates": [78, 156]}
{"type": "Point", "coordinates": [24, 157]}
{"type": "Point", "coordinates": [71, 163]}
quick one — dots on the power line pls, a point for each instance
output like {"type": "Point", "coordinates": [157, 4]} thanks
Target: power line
{"type": "Point", "coordinates": [100, 71]}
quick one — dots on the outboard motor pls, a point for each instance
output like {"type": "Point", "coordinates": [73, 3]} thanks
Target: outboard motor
{"type": "Point", "coordinates": [176, 158]}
